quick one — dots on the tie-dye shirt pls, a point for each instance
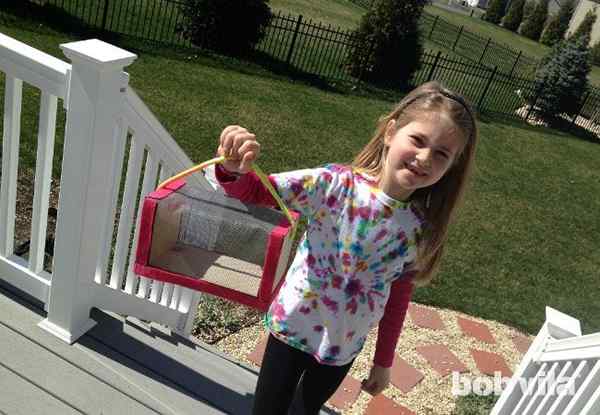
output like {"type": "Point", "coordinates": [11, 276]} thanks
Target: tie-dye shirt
{"type": "Point", "coordinates": [358, 241]}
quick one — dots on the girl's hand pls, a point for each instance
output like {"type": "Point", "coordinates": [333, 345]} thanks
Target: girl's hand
{"type": "Point", "coordinates": [379, 379]}
{"type": "Point", "coordinates": [240, 147]}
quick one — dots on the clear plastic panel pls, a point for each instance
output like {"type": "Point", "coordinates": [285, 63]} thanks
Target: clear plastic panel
{"type": "Point", "coordinates": [210, 236]}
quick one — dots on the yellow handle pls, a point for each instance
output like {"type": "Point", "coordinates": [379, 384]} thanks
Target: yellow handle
{"type": "Point", "coordinates": [261, 175]}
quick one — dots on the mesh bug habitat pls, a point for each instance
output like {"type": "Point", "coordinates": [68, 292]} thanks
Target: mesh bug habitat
{"type": "Point", "coordinates": [214, 243]}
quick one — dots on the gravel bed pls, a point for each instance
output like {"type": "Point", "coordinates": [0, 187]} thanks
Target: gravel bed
{"type": "Point", "coordinates": [433, 394]}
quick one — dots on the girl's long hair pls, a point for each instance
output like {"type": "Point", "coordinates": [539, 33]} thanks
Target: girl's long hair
{"type": "Point", "coordinates": [437, 202]}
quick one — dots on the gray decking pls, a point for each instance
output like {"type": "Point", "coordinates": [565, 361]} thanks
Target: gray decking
{"type": "Point", "coordinates": [119, 367]}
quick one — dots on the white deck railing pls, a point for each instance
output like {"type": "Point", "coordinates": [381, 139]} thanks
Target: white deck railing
{"type": "Point", "coordinates": [21, 63]}
{"type": "Point", "coordinates": [559, 374]}
{"type": "Point", "coordinates": [107, 123]}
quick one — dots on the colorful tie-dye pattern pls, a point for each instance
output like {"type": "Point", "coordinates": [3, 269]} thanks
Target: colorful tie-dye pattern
{"type": "Point", "coordinates": [358, 241]}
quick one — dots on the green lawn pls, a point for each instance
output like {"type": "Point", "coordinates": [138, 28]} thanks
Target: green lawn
{"type": "Point", "coordinates": [526, 237]}
{"type": "Point", "coordinates": [339, 13]}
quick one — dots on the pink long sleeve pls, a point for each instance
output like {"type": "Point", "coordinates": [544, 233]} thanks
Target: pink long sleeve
{"type": "Point", "coordinates": [392, 321]}
{"type": "Point", "coordinates": [248, 188]}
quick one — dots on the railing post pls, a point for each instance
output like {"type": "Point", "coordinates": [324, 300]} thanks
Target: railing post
{"type": "Point", "coordinates": [94, 102]}
{"type": "Point", "coordinates": [487, 86]}
{"type": "Point", "coordinates": [485, 50]}
{"type": "Point", "coordinates": [288, 59]}
{"type": "Point", "coordinates": [458, 37]}
{"type": "Point", "coordinates": [434, 66]}
{"type": "Point", "coordinates": [433, 26]}
{"type": "Point", "coordinates": [557, 326]}
{"type": "Point", "coordinates": [515, 64]}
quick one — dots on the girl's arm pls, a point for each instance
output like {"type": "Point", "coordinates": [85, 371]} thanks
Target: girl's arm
{"type": "Point", "coordinates": [392, 321]}
{"type": "Point", "coordinates": [304, 191]}
{"type": "Point", "coordinates": [247, 187]}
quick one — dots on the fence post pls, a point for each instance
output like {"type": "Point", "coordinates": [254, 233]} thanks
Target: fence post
{"type": "Point", "coordinates": [458, 37]}
{"type": "Point", "coordinates": [434, 66]}
{"type": "Point", "coordinates": [105, 15]}
{"type": "Point", "coordinates": [515, 64]}
{"type": "Point", "coordinates": [579, 110]}
{"type": "Point", "coordinates": [288, 59]}
{"type": "Point", "coordinates": [538, 93]}
{"type": "Point", "coordinates": [96, 81]}
{"type": "Point", "coordinates": [365, 63]}
{"type": "Point", "coordinates": [485, 50]}
{"type": "Point", "coordinates": [487, 86]}
{"type": "Point", "coordinates": [433, 26]}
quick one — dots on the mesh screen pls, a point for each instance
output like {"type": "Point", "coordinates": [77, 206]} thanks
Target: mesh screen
{"type": "Point", "coordinates": [208, 235]}
{"type": "Point", "coordinates": [218, 223]}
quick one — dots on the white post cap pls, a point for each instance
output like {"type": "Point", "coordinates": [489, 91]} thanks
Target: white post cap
{"type": "Point", "coordinates": [561, 325]}
{"type": "Point", "coordinates": [97, 52]}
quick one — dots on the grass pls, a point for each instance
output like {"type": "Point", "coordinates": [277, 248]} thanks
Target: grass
{"type": "Point", "coordinates": [340, 13]}
{"type": "Point", "coordinates": [525, 238]}
{"type": "Point", "coordinates": [474, 405]}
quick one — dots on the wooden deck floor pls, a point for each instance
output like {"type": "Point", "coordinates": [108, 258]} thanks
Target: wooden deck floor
{"type": "Point", "coordinates": [122, 366]}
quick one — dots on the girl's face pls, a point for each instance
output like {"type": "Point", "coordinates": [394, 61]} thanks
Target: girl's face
{"type": "Point", "coordinates": [419, 154]}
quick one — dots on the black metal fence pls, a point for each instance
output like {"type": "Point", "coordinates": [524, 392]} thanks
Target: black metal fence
{"type": "Point", "coordinates": [483, 51]}
{"type": "Point", "coordinates": [469, 45]}
{"type": "Point", "coordinates": [152, 20]}
{"type": "Point", "coordinates": [321, 50]}
{"type": "Point", "coordinates": [307, 46]}
{"type": "Point", "coordinates": [491, 91]}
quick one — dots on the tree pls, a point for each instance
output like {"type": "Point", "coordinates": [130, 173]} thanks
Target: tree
{"type": "Point", "coordinates": [514, 17]}
{"type": "Point", "coordinates": [528, 9]}
{"type": "Point", "coordinates": [228, 26]}
{"type": "Point", "coordinates": [584, 30]}
{"type": "Point", "coordinates": [387, 43]}
{"type": "Point", "coordinates": [561, 79]}
{"type": "Point", "coordinates": [495, 11]}
{"type": "Point", "coordinates": [595, 54]}
{"type": "Point", "coordinates": [559, 24]}
{"type": "Point", "coordinates": [533, 26]}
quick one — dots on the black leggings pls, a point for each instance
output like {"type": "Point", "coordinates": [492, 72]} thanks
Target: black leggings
{"type": "Point", "coordinates": [294, 382]}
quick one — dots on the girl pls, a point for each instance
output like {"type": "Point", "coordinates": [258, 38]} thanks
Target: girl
{"type": "Point", "coordinates": [375, 229]}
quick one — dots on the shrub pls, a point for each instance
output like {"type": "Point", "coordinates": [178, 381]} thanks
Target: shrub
{"type": "Point", "coordinates": [514, 17]}
{"type": "Point", "coordinates": [228, 26]}
{"type": "Point", "coordinates": [595, 54]}
{"type": "Point", "coordinates": [388, 46]}
{"type": "Point", "coordinates": [495, 11]}
{"type": "Point", "coordinates": [558, 25]}
{"type": "Point", "coordinates": [584, 30]}
{"type": "Point", "coordinates": [561, 79]}
{"type": "Point", "coordinates": [533, 26]}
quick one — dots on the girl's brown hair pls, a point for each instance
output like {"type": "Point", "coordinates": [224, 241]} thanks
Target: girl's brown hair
{"type": "Point", "coordinates": [437, 202]}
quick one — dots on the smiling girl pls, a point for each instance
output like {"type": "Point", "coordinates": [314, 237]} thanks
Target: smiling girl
{"type": "Point", "coordinates": [376, 228]}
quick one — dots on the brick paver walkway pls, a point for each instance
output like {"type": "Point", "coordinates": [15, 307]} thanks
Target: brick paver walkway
{"type": "Point", "coordinates": [438, 356]}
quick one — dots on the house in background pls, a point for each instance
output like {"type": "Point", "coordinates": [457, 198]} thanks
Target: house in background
{"type": "Point", "coordinates": [482, 4]}
{"type": "Point", "coordinates": [583, 6]}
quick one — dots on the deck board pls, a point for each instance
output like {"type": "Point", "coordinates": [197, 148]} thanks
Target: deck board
{"type": "Point", "coordinates": [120, 366]}
{"type": "Point", "coordinates": [21, 396]}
